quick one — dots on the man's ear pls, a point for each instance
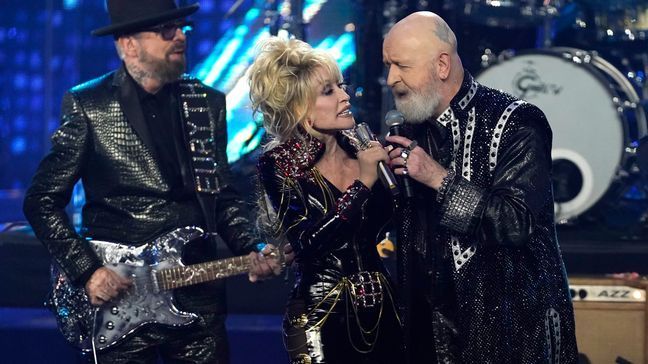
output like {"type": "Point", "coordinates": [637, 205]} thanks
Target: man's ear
{"type": "Point", "coordinates": [443, 66]}
{"type": "Point", "coordinates": [128, 46]}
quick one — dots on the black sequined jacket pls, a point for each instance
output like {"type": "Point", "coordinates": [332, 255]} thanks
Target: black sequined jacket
{"type": "Point", "coordinates": [333, 233]}
{"type": "Point", "coordinates": [104, 141]}
{"type": "Point", "coordinates": [493, 232]}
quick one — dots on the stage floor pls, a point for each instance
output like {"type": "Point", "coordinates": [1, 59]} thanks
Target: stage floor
{"type": "Point", "coordinates": [30, 336]}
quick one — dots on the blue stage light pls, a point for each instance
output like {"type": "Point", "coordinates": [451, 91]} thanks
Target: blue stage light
{"type": "Point", "coordinates": [209, 70]}
{"type": "Point", "coordinates": [36, 83]}
{"type": "Point", "coordinates": [206, 6]}
{"type": "Point", "coordinates": [19, 123]}
{"type": "Point", "coordinates": [35, 61]}
{"type": "Point", "coordinates": [36, 104]}
{"type": "Point", "coordinates": [18, 145]}
{"type": "Point", "coordinates": [20, 81]}
{"type": "Point", "coordinates": [70, 4]}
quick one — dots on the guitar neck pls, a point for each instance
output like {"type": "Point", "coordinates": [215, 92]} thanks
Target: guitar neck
{"type": "Point", "coordinates": [182, 276]}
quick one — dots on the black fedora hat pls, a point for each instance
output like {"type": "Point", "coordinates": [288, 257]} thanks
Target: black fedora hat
{"type": "Point", "coordinates": [129, 16]}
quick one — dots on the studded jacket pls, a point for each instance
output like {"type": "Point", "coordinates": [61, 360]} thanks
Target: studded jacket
{"type": "Point", "coordinates": [103, 141]}
{"type": "Point", "coordinates": [488, 237]}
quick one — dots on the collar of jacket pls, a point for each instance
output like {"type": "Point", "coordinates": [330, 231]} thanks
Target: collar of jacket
{"type": "Point", "coordinates": [298, 154]}
{"type": "Point", "coordinates": [462, 100]}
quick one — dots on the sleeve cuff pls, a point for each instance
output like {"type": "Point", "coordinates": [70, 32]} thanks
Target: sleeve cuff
{"type": "Point", "coordinates": [81, 280]}
{"type": "Point", "coordinates": [462, 206]}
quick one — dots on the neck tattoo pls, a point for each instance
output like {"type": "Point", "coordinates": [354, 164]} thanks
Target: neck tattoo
{"type": "Point", "coordinates": [144, 78]}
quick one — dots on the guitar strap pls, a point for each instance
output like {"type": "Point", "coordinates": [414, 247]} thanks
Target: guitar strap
{"type": "Point", "coordinates": [199, 126]}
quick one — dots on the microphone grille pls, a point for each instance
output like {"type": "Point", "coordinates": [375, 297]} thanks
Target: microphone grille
{"type": "Point", "coordinates": [394, 117]}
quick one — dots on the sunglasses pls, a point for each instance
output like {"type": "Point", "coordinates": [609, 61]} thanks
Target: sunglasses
{"type": "Point", "coordinates": [168, 30]}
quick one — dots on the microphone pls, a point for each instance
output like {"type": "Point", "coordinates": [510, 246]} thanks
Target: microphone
{"type": "Point", "coordinates": [394, 119]}
{"type": "Point", "coordinates": [386, 175]}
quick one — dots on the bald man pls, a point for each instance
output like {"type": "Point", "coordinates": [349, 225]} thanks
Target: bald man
{"type": "Point", "coordinates": [490, 282]}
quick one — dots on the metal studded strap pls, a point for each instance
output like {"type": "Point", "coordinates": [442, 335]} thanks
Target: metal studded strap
{"type": "Point", "coordinates": [499, 131]}
{"type": "Point", "coordinates": [552, 332]}
{"type": "Point", "coordinates": [199, 125]}
{"type": "Point", "coordinates": [469, 95]}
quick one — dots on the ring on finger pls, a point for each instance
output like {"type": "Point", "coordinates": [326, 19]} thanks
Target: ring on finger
{"type": "Point", "coordinates": [405, 172]}
{"type": "Point", "coordinates": [412, 145]}
{"type": "Point", "coordinates": [405, 154]}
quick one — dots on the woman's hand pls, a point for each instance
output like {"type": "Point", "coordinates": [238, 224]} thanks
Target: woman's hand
{"type": "Point", "coordinates": [368, 160]}
{"type": "Point", "coordinates": [264, 264]}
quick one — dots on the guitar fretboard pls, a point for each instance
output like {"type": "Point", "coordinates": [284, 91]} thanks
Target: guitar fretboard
{"type": "Point", "coordinates": [182, 276]}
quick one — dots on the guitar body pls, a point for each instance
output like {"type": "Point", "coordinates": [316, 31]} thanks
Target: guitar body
{"type": "Point", "coordinates": [146, 302]}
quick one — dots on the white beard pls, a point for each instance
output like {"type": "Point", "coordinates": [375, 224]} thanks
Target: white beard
{"type": "Point", "coordinates": [419, 106]}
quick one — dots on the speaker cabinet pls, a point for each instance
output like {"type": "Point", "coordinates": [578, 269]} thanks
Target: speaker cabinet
{"type": "Point", "coordinates": [611, 325]}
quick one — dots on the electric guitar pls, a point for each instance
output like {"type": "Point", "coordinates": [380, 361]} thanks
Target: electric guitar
{"type": "Point", "coordinates": [155, 269]}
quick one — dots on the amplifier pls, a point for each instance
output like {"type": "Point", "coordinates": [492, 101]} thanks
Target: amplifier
{"type": "Point", "coordinates": [606, 293]}
{"type": "Point", "coordinates": [611, 325]}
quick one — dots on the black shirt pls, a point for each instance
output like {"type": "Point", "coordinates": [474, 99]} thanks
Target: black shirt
{"type": "Point", "coordinates": [162, 117]}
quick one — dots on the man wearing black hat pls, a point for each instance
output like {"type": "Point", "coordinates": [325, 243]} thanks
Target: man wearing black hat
{"type": "Point", "coordinates": [149, 146]}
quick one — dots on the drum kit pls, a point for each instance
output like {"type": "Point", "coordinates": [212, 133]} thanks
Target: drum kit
{"type": "Point", "coordinates": [588, 76]}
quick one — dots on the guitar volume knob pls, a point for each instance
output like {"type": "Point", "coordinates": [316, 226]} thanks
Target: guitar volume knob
{"type": "Point", "coordinates": [102, 339]}
{"type": "Point", "coordinates": [110, 325]}
{"type": "Point", "coordinates": [114, 310]}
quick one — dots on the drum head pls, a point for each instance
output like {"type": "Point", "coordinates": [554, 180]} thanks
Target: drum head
{"type": "Point", "coordinates": [588, 130]}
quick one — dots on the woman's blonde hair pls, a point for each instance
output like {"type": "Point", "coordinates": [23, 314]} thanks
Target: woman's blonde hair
{"type": "Point", "coordinates": [284, 84]}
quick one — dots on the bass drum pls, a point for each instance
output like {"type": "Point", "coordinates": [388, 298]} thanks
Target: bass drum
{"type": "Point", "coordinates": [594, 112]}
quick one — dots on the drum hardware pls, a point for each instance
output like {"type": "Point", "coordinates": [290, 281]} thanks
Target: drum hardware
{"type": "Point", "coordinates": [609, 21]}
{"type": "Point", "coordinates": [510, 13]}
{"type": "Point", "coordinates": [488, 58]}
{"type": "Point", "coordinates": [641, 152]}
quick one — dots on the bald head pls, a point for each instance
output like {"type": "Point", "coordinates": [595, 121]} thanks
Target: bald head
{"type": "Point", "coordinates": [426, 28]}
{"type": "Point", "coordinates": [425, 71]}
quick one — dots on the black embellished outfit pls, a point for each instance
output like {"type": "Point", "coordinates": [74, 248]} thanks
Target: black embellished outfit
{"type": "Point", "coordinates": [131, 150]}
{"type": "Point", "coordinates": [485, 281]}
{"type": "Point", "coordinates": [341, 309]}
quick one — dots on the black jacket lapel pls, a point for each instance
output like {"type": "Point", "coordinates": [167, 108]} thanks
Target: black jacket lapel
{"type": "Point", "coordinates": [129, 101]}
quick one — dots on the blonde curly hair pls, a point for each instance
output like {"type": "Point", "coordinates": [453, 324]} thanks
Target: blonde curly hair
{"type": "Point", "coordinates": [284, 84]}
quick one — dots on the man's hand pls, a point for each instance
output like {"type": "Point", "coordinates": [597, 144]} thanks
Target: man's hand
{"type": "Point", "coordinates": [419, 165]}
{"type": "Point", "coordinates": [105, 285]}
{"type": "Point", "coordinates": [264, 264]}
